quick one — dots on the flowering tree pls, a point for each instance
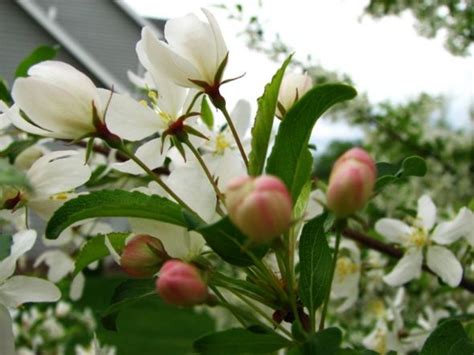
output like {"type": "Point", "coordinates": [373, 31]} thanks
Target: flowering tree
{"type": "Point", "coordinates": [219, 217]}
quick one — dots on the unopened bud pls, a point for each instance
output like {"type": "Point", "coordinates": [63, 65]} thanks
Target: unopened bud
{"type": "Point", "coordinates": [292, 88]}
{"type": "Point", "coordinates": [261, 207]}
{"type": "Point", "coordinates": [143, 256]}
{"type": "Point", "coordinates": [351, 182]}
{"type": "Point", "coordinates": [181, 284]}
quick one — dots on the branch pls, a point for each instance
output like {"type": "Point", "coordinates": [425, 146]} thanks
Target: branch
{"type": "Point", "coordinates": [396, 253]}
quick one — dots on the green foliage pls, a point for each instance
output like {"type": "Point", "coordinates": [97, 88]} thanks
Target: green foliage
{"type": "Point", "coordinates": [114, 203]}
{"type": "Point", "coordinates": [453, 16]}
{"type": "Point", "coordinates": [6, 242]}
{"type": "Point", "coordinates": [290, 158]}
{"type": "Point", "coordinates": [5, 92]}
{"type": "Point", "coordinates": [206, 113]}
{"type": "Point", "coordinates": [126, 294]}
{"type": "Point", "coordinates": [230, 244]}
{"type": "Point", "coordinates": [11, 176]}
{"type": "Point", "coordinates": [95, 249]}
{"type": "Point", "coordinates": [146, 326]}
{"type": "Point", "coordinates": [325, 342]}
{"type": "Point", "coordinates": [449, 338]}
{"type": "Point", "coordinates": [315, 264]}
{"type": "Point", "coordinates": [240, 341]}
{"type": "Point", "coordinates": [391, 173]}
{"type": "Point", "coordinates": [40, 54]}
{"type": "Point", "coordinates": [262, 128]}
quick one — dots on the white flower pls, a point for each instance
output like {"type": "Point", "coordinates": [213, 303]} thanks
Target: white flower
{"type": "Point", "coordinates": [194, 51]}
{"type": "Point", "coordinates": [59, 101]}
{"type": "Point", "coordinates": [16, 290]}
{"type": "Point", "coordinates": [292, 88]}
{"type": "Point", "coordinates": [347, 274]}
{"type": "Point", "coordinates": [416, 238]}
{"type": "Point", "coordinates": [52, 178]}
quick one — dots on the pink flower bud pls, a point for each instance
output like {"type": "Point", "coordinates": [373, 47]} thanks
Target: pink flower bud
{"type": "Point", "coordinates": [351, 182]}
{"type": "Point", "coordinates": [261, 207]}
{"type": "Point", "coordinates": [143, 256]}
{"type": "Point", "coordinates": [181, 284]}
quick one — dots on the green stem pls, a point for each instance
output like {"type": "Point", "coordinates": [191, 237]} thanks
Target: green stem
{"type": "Point", "coordinates": [333, 270]}
{"type": "Point", "coordinates": [227, 305]}
{"type": "Point", "coordinates": [223, 109]}
{"type": "Point", "coordinates": [262, 313]}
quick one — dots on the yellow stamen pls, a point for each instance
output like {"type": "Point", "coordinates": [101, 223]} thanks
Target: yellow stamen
{"type": "Point", "coordinates": [59, 197]}
{"type": "Point", "coordinates": [221, 143]}
{"type": "Point", "coordinates": [345, 267]}
{"type": "Point", "coordinates": [419, 238]}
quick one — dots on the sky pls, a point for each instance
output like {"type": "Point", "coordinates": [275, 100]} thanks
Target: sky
{"type": "Point", "coordinates": [386, 58]}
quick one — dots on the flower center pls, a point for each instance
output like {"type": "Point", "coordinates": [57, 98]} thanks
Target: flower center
{"type": "Point", "coordinates": [167, 118]}
{"type": "Point", "coordinates": [62, 196]}
{"type": "Point", "coordinates": [221, 143]}
{"type": "Point", "coordinates": [419, 238]}
{"type": "Point", "coordinates": [381, 342]}
{"type": "Point", "coordinates": [345, 267]}
{"type": "Point", "coordinates": [377, 307]}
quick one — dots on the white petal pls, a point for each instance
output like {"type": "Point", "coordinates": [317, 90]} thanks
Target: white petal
{"type": "Point", "coordinates": [407, 268]}
{"type": "Point", "coordinates": [449, 232]}
{"type": "Point", "coordinates": [112, 251]}
{"type": "Point", "coordinates": [164, 61]}
{"type": "Point", "coordinates": [77, 287]}
{"type": "Point", "coordinates": [241, 117]}
{"type": "Point", "coordinates": [314, 207]}
{"type": "Point", "coordinates": [21, 289]}
{"type": "Point", "coordinates": [191, 184]}
{"type": "Point", "coordinates": [150, 153]}
{"type": "Point", "coordinates": [171, 97]}
{"type": "Point", "coordinates": [426, 212]}
{"type": "Point", "coordinates": [54, 108]}
{"type": "Point", "coordinates": [221, 48]}
{"type": "Point", "coordinates": [59, 263]}
{"type": "Point", "coordinates": [194, 40]}
{"type": "Point", "coordinates": [393, 230]}
{"type": "Point", "coordinates": [22, 242]}
{"type": "Point", "coordinates": [66, 76]}
{"type": "Point", "coordinates": [444, 264]}
{"type": "Point", "coordinates": [13, 115]}
{"type": "Point", "coordinates": [7, 340]}
{"type": "Point", "coordinates": [225, 167]}
{"type": "Point", "coordinates": [128, 118]}
{"type": "Point", "coordinates": [58, 172]}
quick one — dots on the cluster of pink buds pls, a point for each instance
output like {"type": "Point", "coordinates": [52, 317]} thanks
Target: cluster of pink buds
{"type": "Point", "coordinates": [261, 207]}
{"type": "Point", "coordinates": [351, 182]}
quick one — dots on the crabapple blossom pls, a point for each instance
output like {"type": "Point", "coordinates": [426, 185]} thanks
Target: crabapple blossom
{"type": "Point", "coordinates": [181, 284]}
{"type": "Point", "coordinates": [261, 207]}
{"type": "Point", "coordinates": [292, 88]}
{"type": "Point", "coordinates": [351, 182]}
{"type": "Point", "coordinates": [416, 239]}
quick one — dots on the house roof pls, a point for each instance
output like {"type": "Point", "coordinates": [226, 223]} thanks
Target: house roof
{"type": "Point", "coordinates": [98, 37]}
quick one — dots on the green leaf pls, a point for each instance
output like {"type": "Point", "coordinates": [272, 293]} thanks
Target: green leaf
{"type": "Point", "coordinates": [206, 113]}
{"type": "Point", "coordinates": [114, 203]}
{"type": "Point", "coordinates": [230, 244]}
{"type": "Point", "coordinates": [325, 342]}
{"type": "Point", "coordinates": [95, 249]}
{"type": "Point", "coordinates": [11, 176]}
{"type": "Point", "coordinates": [5, 92]}
{"type": "Point", "coordinates": [6, 242]}
{"type": "Point", "coordinates": [262, 128]}
{"type": "Point", "coordinates": [40, 54]}
{"type": "Point", "coordinates": [444, 338]}
{"type": "Point", "coordinates": [239, 341]}
{"type": "Point", "coordinates": [388, 173]}
{"type": "Point", "coordinates": [315, 264]}
{"type": "Point", "coordinates": [413, 166]}
{"type": "Point", "coordinates": [290, 158]}
{"type": "Point", "coordinates": [126, 294]}
{"type": "Point", "coordinates": [463, 346]}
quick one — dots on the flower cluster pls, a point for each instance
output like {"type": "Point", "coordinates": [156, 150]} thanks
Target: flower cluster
{"type": "Point", "coordinates": [216, 215]}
